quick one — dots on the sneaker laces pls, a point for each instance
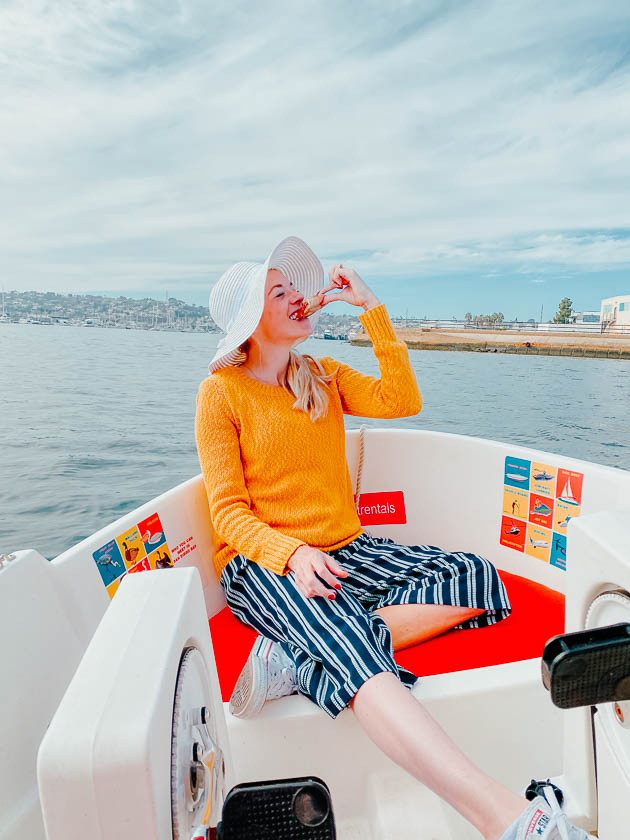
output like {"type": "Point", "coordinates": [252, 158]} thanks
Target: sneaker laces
{"type": "Point", "coordinates": [281, 683]}
{"type": "Point", "coordinates": [561, 819]}
{"type": "Point", "coordinates": [281, 673]}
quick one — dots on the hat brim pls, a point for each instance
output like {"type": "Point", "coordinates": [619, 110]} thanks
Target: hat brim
{"type": "Point", "coordinates": [298, 263]}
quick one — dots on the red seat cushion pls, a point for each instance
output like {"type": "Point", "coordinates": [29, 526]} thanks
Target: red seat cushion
{"type": "Point", "coordinates": [537, 614]}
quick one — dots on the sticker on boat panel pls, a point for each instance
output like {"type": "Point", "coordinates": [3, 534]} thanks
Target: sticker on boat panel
{"type": "Point", "coordinates": [142, 566]}
{"type": "Point", "coordinates": [563, 514]}
{"type": "Point", "coordinates": [139, 549]}
{"type": "Point", "coordinates": [559, 551]}
{"type": "Point", "coordinates": [184, 548]}
{"type": "Point", "coordinates": [160, 559]}
{"type": "Point", "coordinates": [513, 532]}
{"type": "Point", "coordinates": [152, 533]}
{"type": "Point", "coordinates": [540, 510]}
{"type": "Point", "coordinates": [517, 473]}
{"type": "Point", "coordinates": [538, 542]}
{"type": "Point", "coordinates": [386, 508]}
{"type": "Point", "coordinates": [539, 501]}
{"type": "Point", "coordinates": [131, 547]}
{"type": "Point", "coordinates": [109, 561]}
{"type": "Point", "coordinates": [515, 502]}
{"type": "Point", "coordinates": [569, 488]}
{"type": "Point", "coordinates": [113, 587]}
{"type": "Point", "coordinates": [543, 479]}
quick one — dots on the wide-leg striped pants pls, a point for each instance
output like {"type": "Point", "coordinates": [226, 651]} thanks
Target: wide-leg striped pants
{"type": "Point", "coordinates": [338, 645]}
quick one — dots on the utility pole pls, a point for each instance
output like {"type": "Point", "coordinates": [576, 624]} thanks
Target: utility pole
{"type": "Point", "coordinates": [541, 312]}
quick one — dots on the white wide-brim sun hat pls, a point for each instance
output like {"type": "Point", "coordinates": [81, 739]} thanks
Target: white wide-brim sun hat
{"type": "Point", "coordinates": [237, 299]}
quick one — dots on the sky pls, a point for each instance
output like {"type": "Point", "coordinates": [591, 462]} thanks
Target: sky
{"type": "Point", "coordinates": [461, 156]}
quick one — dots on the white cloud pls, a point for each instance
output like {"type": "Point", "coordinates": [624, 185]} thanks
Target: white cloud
{"type": "Point", "coordinates": [153, 142]}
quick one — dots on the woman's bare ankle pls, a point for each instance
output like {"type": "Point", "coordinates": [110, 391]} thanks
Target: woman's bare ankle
{"type": "Point", "coordinates": [503, 817]}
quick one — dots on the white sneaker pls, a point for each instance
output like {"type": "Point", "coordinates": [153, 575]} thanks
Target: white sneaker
{"type": "Point", "coordinates": [268, 674]}
{"type": "Point", "coordinates": [544, 819]}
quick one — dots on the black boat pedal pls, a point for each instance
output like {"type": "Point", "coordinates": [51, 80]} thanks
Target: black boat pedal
{"type": "Point", "coordinates": [292, 809]}
{"type": "Point", "coordinates": [588, 667]}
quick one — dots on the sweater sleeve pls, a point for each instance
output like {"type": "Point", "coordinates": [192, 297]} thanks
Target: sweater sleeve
{"type": "Point", "coordinates": [396, 393]}
{"type": "Point", "coordinates": [229, 501]}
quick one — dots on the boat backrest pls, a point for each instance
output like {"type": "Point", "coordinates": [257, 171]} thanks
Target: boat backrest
{"type": "Point", "coordinates": [453, 491]}
{"type": "Point", "coordinates": [453, 487]}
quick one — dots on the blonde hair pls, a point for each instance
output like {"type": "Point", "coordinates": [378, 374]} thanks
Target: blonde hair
{"type": "Point", "coordinates": [306, 380]}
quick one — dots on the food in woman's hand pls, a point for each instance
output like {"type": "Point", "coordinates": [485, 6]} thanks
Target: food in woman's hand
{"type": "Point", "coordinates": [312, 304]}
{"type": "Point", "coordinates": [309, 306]}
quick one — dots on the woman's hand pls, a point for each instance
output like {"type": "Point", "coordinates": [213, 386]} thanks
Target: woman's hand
{"type": "Point", "coordinates": [353, 289]}
{"type": "Point", "coordinates": [309, 564]}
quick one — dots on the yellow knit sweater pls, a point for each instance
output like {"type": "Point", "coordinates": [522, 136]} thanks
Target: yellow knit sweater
{"type": "Point", "coordinates": [276, 480]}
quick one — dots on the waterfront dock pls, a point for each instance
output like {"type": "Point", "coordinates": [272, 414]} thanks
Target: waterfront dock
{"type": "Point", "coordinates": [528, 343]}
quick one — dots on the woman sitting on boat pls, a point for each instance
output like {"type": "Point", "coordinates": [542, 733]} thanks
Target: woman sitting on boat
{"type": "Point", "coordinates": [331, 602]}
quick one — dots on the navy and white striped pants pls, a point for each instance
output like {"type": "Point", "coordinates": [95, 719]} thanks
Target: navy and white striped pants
{"type": "Point", "coordinates": [338, 645]}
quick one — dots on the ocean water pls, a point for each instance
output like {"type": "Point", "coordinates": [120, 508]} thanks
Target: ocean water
{"type": "Point", "coordinates": [95, 422]}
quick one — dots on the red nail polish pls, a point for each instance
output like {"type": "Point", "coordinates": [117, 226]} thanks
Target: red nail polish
{"type": "Point", "coordinates": [332, 596]}
{"type": "Point", "coordinates": [337, 586]}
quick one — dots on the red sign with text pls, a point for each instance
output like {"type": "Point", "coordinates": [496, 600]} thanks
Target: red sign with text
{"type": "Point", "coordinates": [382, 508]}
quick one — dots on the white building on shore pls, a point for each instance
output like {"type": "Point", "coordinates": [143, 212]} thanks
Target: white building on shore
{"type": "Point", "coordinates": [585, 318]}
{"type": "Point", "coordinates": [615, 311]}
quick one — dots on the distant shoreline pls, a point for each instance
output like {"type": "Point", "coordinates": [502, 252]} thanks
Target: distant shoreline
{"type": "Point", "coordinates": [203, 330]}
{"type": "Point", "coordinates": [475, 341]}
{"type": "Point", "coordinates": [528, 344]}
{"type": "Point", "coordinates": [197, 330]}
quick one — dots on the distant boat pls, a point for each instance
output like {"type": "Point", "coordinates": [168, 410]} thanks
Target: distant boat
{"type": "Point", "coordinates": [542, 476]}
{"type": "Point", "coordinates": [541, 508]}
{"type": "Point", "coordinates": [516, 476]}
{"type": "Point", "coordinates": [539, 543]}
{"type": "Point", "coordinates": [567, 493]}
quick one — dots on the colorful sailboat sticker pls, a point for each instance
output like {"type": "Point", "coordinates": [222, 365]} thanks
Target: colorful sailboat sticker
{"type": "Point", "coordinates": [566, 494]}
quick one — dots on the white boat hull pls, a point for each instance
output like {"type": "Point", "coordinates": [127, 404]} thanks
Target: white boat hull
{"type": "Point", "coordinates": [501, 716]}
